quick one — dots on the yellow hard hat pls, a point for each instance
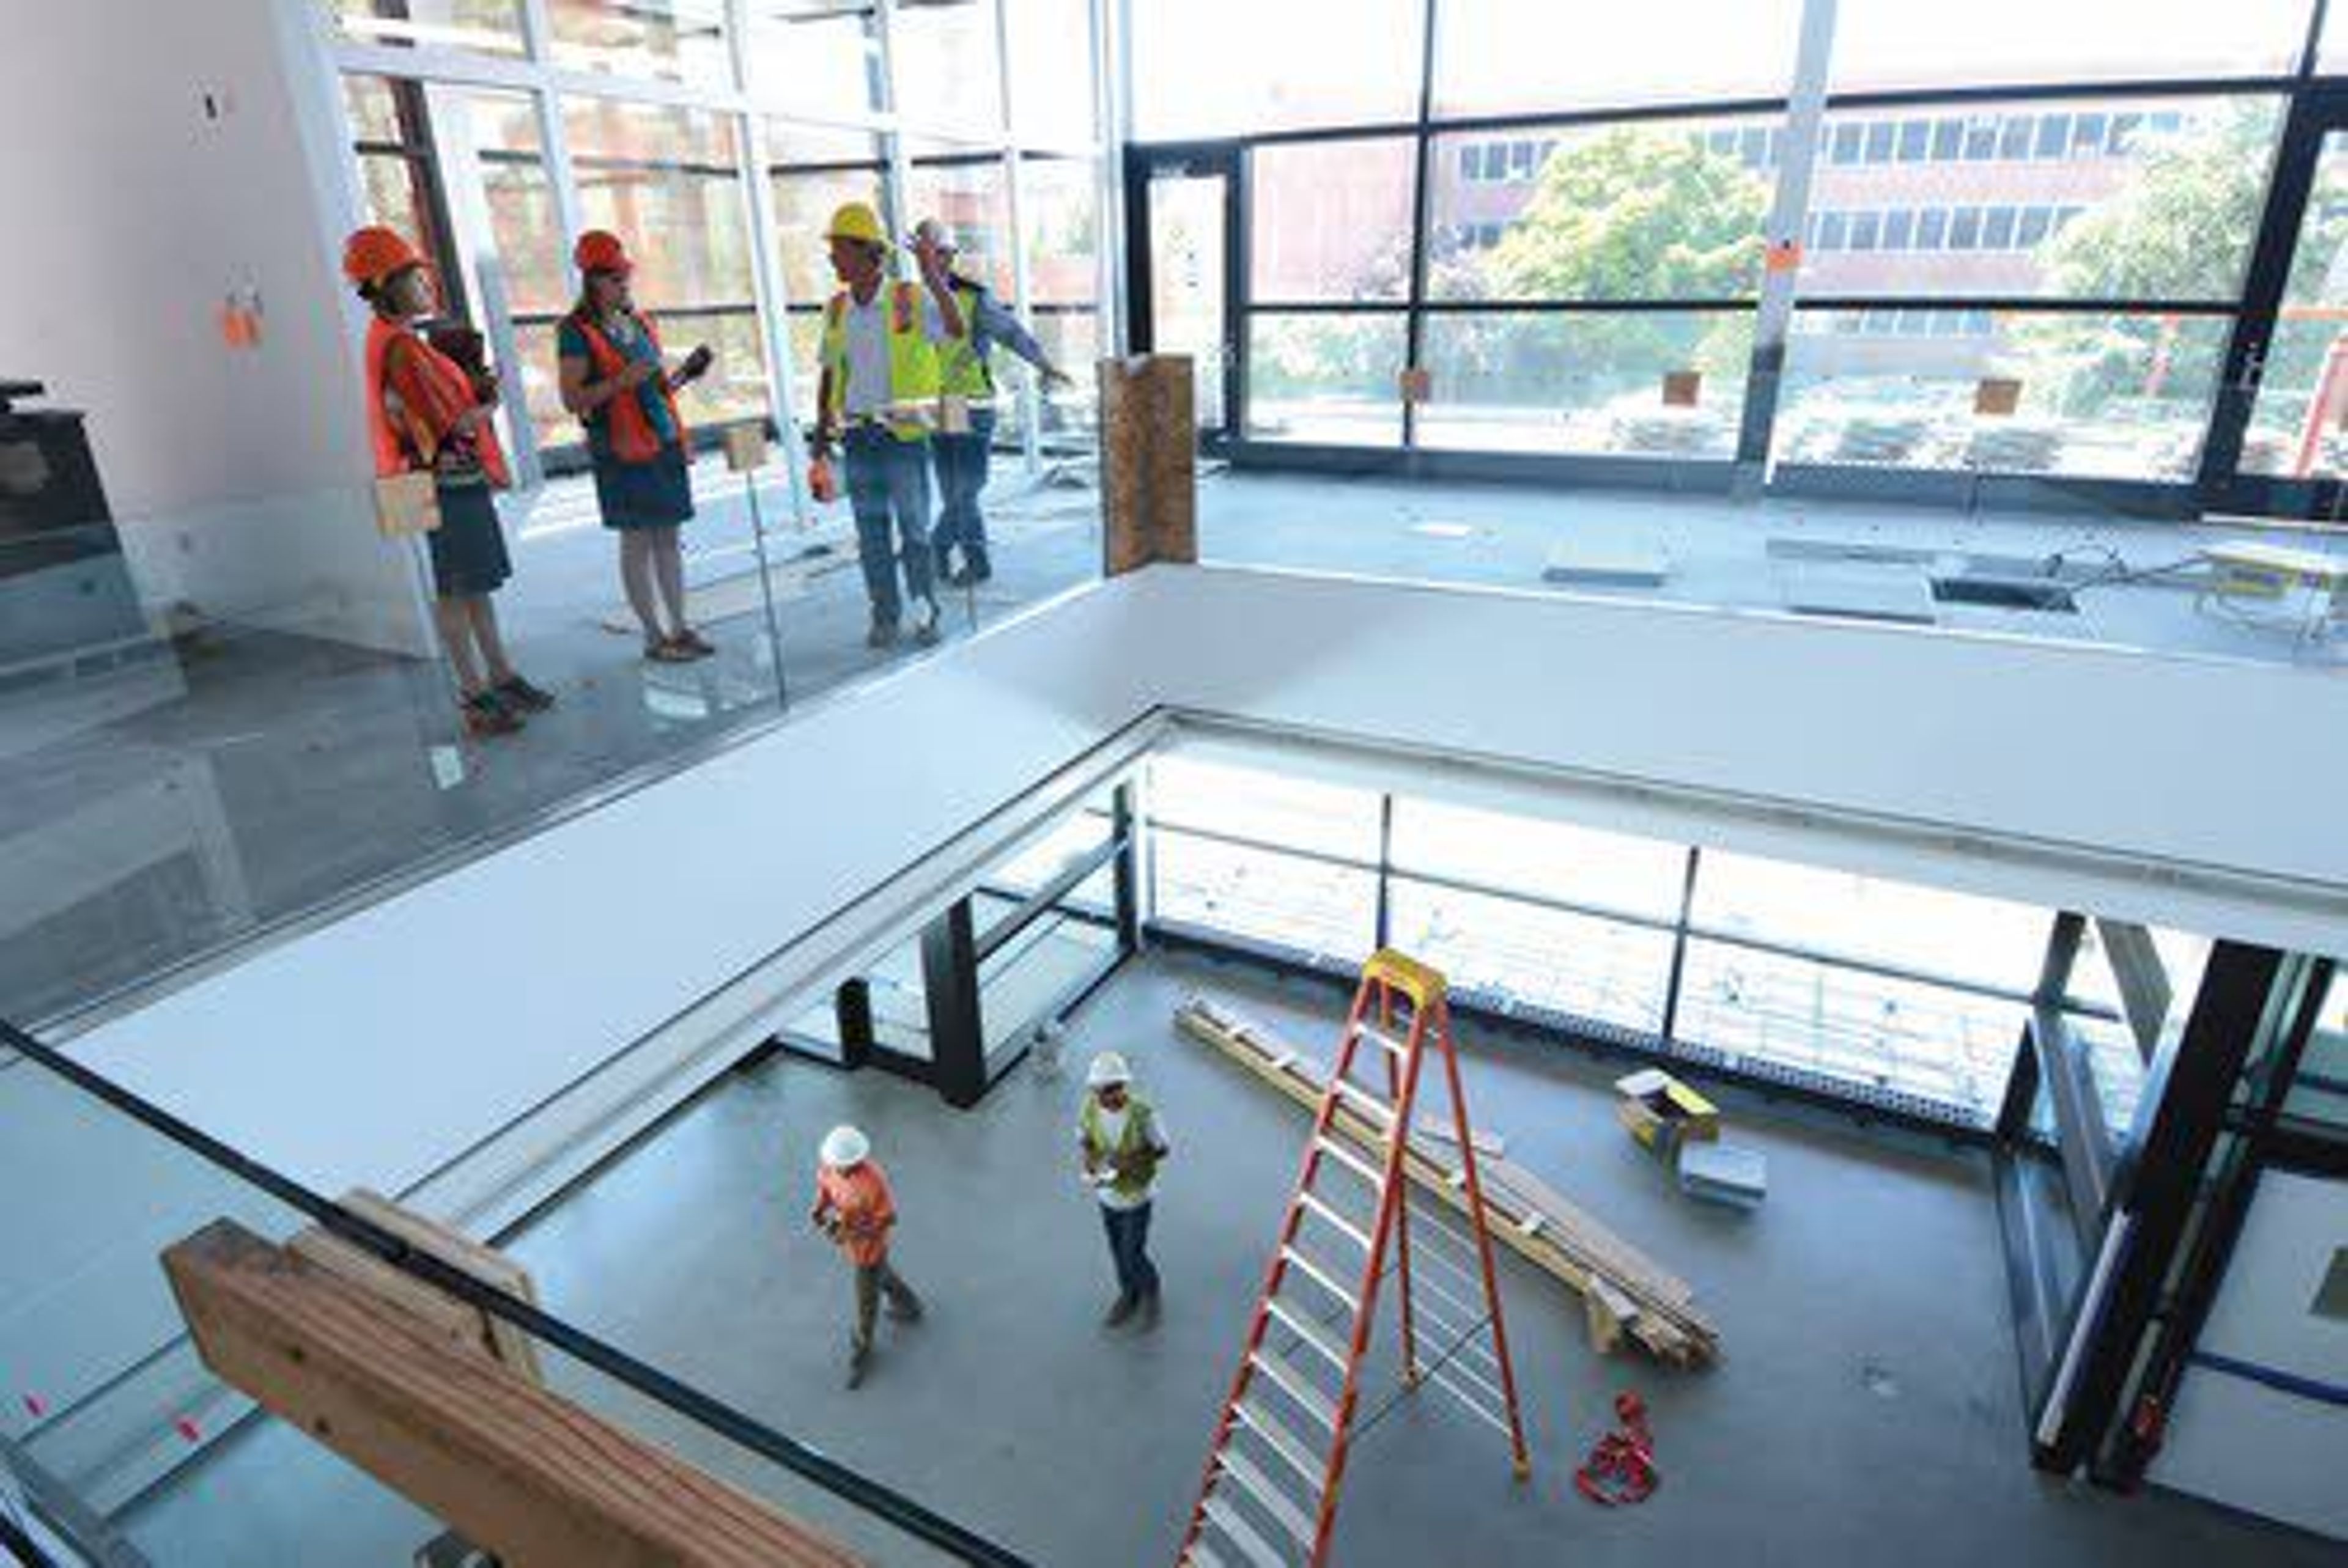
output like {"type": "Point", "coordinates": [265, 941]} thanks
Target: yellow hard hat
{"type": "Point", "coordinates": [856, 220]}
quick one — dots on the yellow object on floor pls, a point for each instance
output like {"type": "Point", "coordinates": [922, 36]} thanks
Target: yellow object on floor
{"type": "Point", "coordinates": [1661, 1113]}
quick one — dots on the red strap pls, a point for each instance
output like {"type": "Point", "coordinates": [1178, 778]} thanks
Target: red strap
{"type": "Point", "coordinates": [1621, 1470]}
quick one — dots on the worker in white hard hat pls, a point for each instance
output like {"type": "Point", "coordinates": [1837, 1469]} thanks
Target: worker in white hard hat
{"type": "Point", "coordinates": [853, 1206]}
{"type": "Point", "coordinates": [1122, 1142]}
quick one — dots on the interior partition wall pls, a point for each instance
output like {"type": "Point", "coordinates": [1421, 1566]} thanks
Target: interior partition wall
{"type": "Point", "coordinates": [2029, 247]}
{"type": "Point", "coordinates": [716, 137]}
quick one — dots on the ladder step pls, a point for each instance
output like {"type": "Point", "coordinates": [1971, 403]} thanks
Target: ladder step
{"type": "Point", "coordinates": [1353, 1232]}
{"type": "Point", "coordinates": [1385, 1041]}
{"type": "Point", "coordinates": [1260, 1490]}
{"type": "Point", "coordinates": [1275, 1435]}
{"type": "Point", "coordinates": [1199, 1556]}
{"type": "Point", "coordinates": [1362, 1099]}
{"type": "Point", "coordinates": [1322, 1278]}
{"type": "Point", "coordinates": [1311, 1333]}
{"type": "Point", "coordinates": [1474, 1407]}
{"type": "Point", "coordinates": [1336, 1150]}
{"type": "Point", "coordinates": [1297, 1387]}
{"type": "Point", "coordinates": [1242, 1534]}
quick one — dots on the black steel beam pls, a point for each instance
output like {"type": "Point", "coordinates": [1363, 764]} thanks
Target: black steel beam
{"type": "Point", "coordinates": [957, 1023]}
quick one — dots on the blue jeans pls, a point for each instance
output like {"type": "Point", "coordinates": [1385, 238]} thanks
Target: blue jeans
{"type": "Point", "coordinates": [888, 480]}
{"type": "Point", "coordinates": [961, 474]}
{"type": "Point", "coordinates": [1128, 1248]}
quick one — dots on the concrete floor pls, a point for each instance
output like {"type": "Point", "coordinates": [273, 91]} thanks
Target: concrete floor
{"type": "Point", "coordinates": [1866, 1405]}
{"type": "Point", "coordinates": [248, 777]}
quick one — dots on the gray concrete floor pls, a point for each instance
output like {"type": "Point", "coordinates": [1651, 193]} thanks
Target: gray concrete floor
{"type": "Point", "coordinates": [1866, 1408]}
{"type": "Point", "coordinates": [253, 776]}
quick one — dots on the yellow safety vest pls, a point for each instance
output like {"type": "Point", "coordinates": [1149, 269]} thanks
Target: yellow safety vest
{"type": "Point", "coordinates": [961, 369]}
{"type": "Point", "coordinates": [912, 357]}
{"type": "Point", "coordinates": [1136, 1144]}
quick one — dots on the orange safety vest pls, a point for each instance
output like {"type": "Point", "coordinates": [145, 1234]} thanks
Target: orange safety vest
{"type": "Point", "coordinates": [408, 440]}
{"type": "Point", "coordinates": [860, 1200]}
{"type": "Point", "coordinates": [633, 437]}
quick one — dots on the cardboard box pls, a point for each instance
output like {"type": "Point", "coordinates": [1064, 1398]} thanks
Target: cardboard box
{"type": "Point", "coordinates": [1727, 1173]}
{"type": "Point", "coordinates": [1661, 1113]}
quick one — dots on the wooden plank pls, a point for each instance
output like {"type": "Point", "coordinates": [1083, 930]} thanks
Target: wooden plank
{"type": "Point", "coordinates": [1566, 1243]}
{"type": "Point", "coordinates": [523, 1473]}
{"type": "Point", "coordinates": [1488, 1146]}
{"type": "Point", "coordinates": [512, 1347]}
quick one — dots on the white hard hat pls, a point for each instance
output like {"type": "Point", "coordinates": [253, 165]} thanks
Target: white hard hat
{"type": "Point", "coordinates": [844, 1146]}
{"type": "Point", "coordinates": [1108, 1067]}
{"type": "Point", "coordinates": [934, 232]}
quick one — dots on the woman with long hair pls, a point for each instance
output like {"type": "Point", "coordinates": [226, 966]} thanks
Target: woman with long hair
{"type": "Point", "coordinates": [615, 379]}
{"type": "Point", "coordinates": [428, 414]}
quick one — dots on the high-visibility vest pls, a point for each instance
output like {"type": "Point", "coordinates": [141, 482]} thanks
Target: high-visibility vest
{"type": "Point", "coordinates": [626, 426]}
{"type": "Point", "coordinates": [912, 357]}
{"type": "Point", "coordinates": [404, 439]}
{"type": "Point", "coordinates": [962, 370]}
{"type": "Point", "coordinates": [1135, 1145]}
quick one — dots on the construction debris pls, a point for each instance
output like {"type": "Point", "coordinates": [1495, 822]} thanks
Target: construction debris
{"type": "Point", "coordinates": [1623, 1291]}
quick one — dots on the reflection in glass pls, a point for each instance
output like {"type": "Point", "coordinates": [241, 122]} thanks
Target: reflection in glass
{"type": "Point", "coordinates": [1187, 307]}
{"type": "Point", "coordinates": [2296, 423]}
{"type": "Point", "coordinates": [1325, 379]}
{"type": "Point", "coordinates": [2119, 396]}
{"type": "Point", "coordinates": [1644, 384]}
{"type": "Point", "coordinates": [1330, 221]}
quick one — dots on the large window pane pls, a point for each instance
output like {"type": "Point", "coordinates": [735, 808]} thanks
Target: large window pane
{"type": "Point", "coordinates": [1644, 384]}
{"type": "Point", "coordinates": [1306, 907]}
{"type": "Point", "coordinates": [817, 56]}
{"type": "Point", "coordinates": [2105, 396]}
{"type": "Point", "coordinates": [2079, 199]}
{"type": "Point", "coordinates": [525, 228]}
{"type": "Point", "coordinates": [1271, 808]}
{"type": "Point", "coordinates": [948, 64]}
{"type": "Point", "coordinates": [1536, 855]}
{"type": "Point", "coordinates": [667, 181]}
{"type": "Point", "coordinates": [971, 195]}
{"type": "Point", "coordinates": [1325, 378]}
{"type": "Point", "coordinates": [815, 171]}
{"type": "Point", "coordinates": [736, 386]}
{"type": "Point", "coordinates": [1838, 913]}
{"type": "Point", "coordinates": [1071, 338]}
{"type": "Point", "coordinates": [1625, 212]}
{"type": "Point", "coordinates": [1521, 953]}
{"type": "Point", "coordinates": [1059, 202]}
{"type": "Point", "coordinates": [2295, 427]}
{"type": "Point", "coordinates": [672, 40]}
{"type": "Point", "coordinates": [1902, 44]}
{"type": "Point", "coordinates": [2319, 1093]}
{"type": "Point", "coordinates": [1951, 1047]}
{"type": "Point", "coordinates": [1519, 57]}
{"type": "Point", "coordinates": [1052, 97]}
{"type": "Point", "coordinates": [1067, 842]}
{"type": "Point", "coordinates": [1210, 66]}
{"type": "Point", "coordinates": [1330, 221]}
{"type": "Point", "coordinates": [486, 26]}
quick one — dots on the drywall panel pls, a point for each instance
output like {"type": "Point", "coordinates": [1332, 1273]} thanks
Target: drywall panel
{"type": "Point", "coordinates": [2084, 762]}
{"type": "Point", "coordinates": [2277, 1451]}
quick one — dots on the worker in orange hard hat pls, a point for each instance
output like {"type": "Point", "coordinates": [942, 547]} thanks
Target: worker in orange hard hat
{"type": "Point", "coordinates": [878, 396]}
{"type": "Point", "coordinates": [427, 412]}
{"type": "Point", "coordinates": [616, 379]}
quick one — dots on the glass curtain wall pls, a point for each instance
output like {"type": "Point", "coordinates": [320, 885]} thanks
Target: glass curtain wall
{"type": "Point", "coordinates": [1496, 232]}
{"type": "Point", "coordinates": [1888, 996]}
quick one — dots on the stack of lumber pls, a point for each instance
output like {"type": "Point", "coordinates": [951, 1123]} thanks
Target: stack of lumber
{"type": "Point", "coordinates": [1623, 1291]}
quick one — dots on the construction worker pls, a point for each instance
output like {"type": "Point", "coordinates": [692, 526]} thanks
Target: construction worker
{"type": "Point", "coordinates": [614, 378]}
{"type": "Point", "coordinates": [853, 1206]}
{"type": "Point", "coordinates": [426, 413]}
{"type": "Point", "coordinates": [964, 372]}
{"type": "Point", "coordinates": [878, 397]}
{"type": "Point", "coordinates": [1122, 1142]}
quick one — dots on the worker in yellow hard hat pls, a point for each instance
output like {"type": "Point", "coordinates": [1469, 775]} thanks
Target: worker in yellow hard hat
{"type": "Point", "coordinates": [878, 398]}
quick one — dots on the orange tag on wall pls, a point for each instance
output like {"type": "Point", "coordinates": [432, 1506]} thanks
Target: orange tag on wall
{"type": "Point", "coordinates": [1785, 256]}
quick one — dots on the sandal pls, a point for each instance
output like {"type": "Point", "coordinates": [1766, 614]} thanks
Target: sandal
{"type": "Point", "coordinates": [517, 692]}
{"type": "Point", "coordinates": [667, 651]}
{"type": "Point", "coordinates": [694, 643]}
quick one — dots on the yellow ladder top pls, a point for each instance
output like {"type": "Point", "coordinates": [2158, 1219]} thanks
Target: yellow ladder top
{"type": "Point", "coordinates": [1423, 984]}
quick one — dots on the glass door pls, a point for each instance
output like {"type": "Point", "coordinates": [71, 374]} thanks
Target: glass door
{"type": "Point", "coordinates": [1182, 207]}
{"type": "Point", "coordinates": [2280, 444]}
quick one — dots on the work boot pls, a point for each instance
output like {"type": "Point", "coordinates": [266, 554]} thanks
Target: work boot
{"type": "Point", "coordinates": [905, 1307]}
{"type": "Point", "coordinates": [859, 1358]}
{"type": "Point", "coordinates": [925, 630]}
{"type": "Point", "coordinates": [881, 634]}
{"type": "Point", "coordinates": [1148, 1312]}
{"type": "Point", "coordinates": [975, 570]}
{"type": "Point", "coordinates": [1119, 1311]}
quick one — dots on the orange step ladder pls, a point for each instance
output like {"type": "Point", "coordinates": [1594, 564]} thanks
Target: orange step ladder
{"type": "Point", "coordinates": [1269, 1497]}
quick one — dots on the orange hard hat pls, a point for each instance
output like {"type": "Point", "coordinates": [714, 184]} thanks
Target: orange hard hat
{"type": "Point", "coordinates": [599, 251]}
{"type": "Point", "coordinates": [375, 253]}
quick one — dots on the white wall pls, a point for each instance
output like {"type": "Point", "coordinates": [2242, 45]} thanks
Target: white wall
{"type": "Point", "coordinates": [2245, 1443]}
{"type": "Point", "coordinates": [181, 152]}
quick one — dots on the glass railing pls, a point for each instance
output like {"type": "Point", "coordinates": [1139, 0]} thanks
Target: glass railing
{"type": "Point", "coordinates": [215, 719]}
{"type": "Point", "coordinates": [110, 1405]}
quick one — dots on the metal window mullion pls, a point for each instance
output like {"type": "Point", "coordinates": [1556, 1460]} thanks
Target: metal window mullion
{"type": "Point", "coordinates": [1678, 970]}
{"type": "Point", "coordinates": [1113, 123]}
{"type": "Point", "coordinates": [1422, 203]}
{"type": "Point", "coordinates": [1773, 317]}
{"type": "Point", "coordinates": [774, 317]}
